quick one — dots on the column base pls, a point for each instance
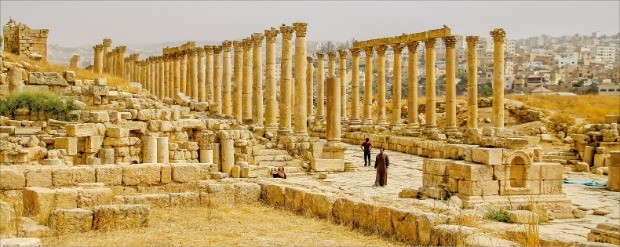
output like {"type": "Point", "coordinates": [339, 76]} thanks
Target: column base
{"type": "Point", "coordinates": [413, 126]}
{"type": "Point", "coordinates": [271, 128]}
{"type": "Point", "coordinates": [285, 131]}
{"type": "Point", "coordinates": [302, 133]}
{"type": "Point", "coordinates": [248, 121]}
{"type": "Point", "coordinates": [355, 121]}
{"type": "Point", "coordinates": [383, 123]}
{"type": "Point", "coordinates": [396, 126]}
{"type": "Point", "coordinates": [367, 122]}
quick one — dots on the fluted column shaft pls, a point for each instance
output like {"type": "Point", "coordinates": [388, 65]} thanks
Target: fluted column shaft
{"type": "Point", "coordinates": [320, 87]}
{"type": "Point", "coordinates": [238, 77]}
{"type": "Point", "coordinates": [412, 87]}
{"type": "Point", "coordinates": [368, 51]}
{"type": "Point", "coordinates": [499, 36]}
{"type": "Point", "coordinates": [285, 80]}
{"type": "Point", "coordinates": [217, 79]}
{"type": "Point", "coordinates": [271, 122]}
{"type": "Point", "coordinates": [396, 85]}
{"type": "Point", "coordinates": [301, 114]}
{"type": "Point", "coordinates": [472, 82]}
{"type": "Point", "coordinates": [449, 42]}
{"type": "Point", "coordinates": [431, 94]}
{"type": "Point", "coordinates": [381, 85]}
{"type": "Point", "coordinates": [257, 77]}
{"type": "Point", "coordinates": [343, 83]}
{"type": "Point", "coordinates": [247, 81]}
{"type": "Point", "coordinates": [226, 73]}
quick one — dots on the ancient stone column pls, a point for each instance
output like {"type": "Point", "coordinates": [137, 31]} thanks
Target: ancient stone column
{"type": "Point", "coordinates": [247, 81]}
{"type": "Point", "coordinates": [310, 89]}
{"type": "Point", "coordinates": [177, 73]}
{"type": "Point", "coordinates": [257, 77]}
{"type": "Point", "coordinates": [334, 124]}
{"type": "Point", "coordinates": [301, 114]}
{"type": "Point", "coordinates": [499, 36]}
{"type": "Point", "coordinates": [149, 149]}
{"type": "Point", "coordinates": [193, 75]}
{"type": "Point", "coordinates": [431, 119]}
{"type": "Point", "coordinates": [154, 76]}
{"type": "Point", "coordinates": [450, 42]}
{"type": "Point", "coordinates": [320, 87]}
{"type": "Point", "coordinates": [106, 49]}
{"type": "Point", "coordinates": [472, 82]}
{"type": "Point", "coordinates": [121, 61]}
{"type": "Point", "coordinates": [396, 86]}
{"type": "Point", "coordinates": [163, 151]}
{"type": "Point", "coordinates": [381, 85]}
{"type": "Point", "coordinates": [368, 51]}
{"type": "Point", "coordinates": [271, 122]}
{"type": "Point", "coordinates": [355, 90]}
{"type": "Point", "coordinates": [343, 83]}
{"type": "Point", "coordinates": [228, 154]}
{"type": "Point", "coordinates": [209, 74]}
{"type": "Point", "coordinates": [149, 75]}
{"type": "Point", "coordinates": [202, 73]}
{"type": "Point", "coordinates": [238, 76]}
{"type": "Point", "coordinates": [217, 79]}
{"type": "Point", "coordinates": [331, 64]}
{"type": "Point", "coordinates": [285, 80]}
{"type": "Point", "coordinates": [168, 76]}
{"type": "Point", "coordinates": [226, 74]}
{"type": "Point", "coordinates": [162, 78]}
{"type": "Point", "coordinates": [184, 72]}
{"type": "Point", "coordinates": [74, 62]}
{"type": "Point", "coordinates": [98, 66]}
{"type": "Point", "coordinates": [412, 87]}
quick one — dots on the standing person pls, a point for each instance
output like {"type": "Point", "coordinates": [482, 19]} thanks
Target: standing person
{"type": "Point", "coordinates": [381, 164]}
{"type": "Point", "coordinates": [366, 147]}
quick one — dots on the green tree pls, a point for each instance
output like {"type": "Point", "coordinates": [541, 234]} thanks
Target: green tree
{"type": "Point", "coordinates": [592, 89]}
{"type": "Point", "coordinates": [485, 89]}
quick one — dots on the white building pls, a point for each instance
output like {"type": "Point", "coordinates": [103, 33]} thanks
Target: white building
{"type": "Point", "coordinates": [566, 58]}
{"type": "Point", "coordinates": [606, 54]}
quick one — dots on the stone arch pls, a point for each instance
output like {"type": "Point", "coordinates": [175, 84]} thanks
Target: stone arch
{"type": "Point", "coordinates": [518, 163]}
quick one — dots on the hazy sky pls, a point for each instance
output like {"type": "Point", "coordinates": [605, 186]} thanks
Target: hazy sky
{"type": "Point", "coordinates": [75, 23]}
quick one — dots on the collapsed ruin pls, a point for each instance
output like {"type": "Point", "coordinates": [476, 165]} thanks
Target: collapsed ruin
{"type": "Point", "coordinates": [193, 125]}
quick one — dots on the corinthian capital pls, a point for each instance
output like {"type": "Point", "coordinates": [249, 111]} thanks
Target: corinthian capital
{"type": "Point", "coordinates": [257, 39]}
{"type": "Point", "coordinates": [226, 45]}
{"type": "Point", "coordinates": [449, 41]}
{"type": "Point", "coordinates": [355, 51]}
{"type": "Point", "coordinates": [238, 45]}
{"type": "Point", "coordinates": [271, 34]}
{"type": "Point", "coordinates": [300, 29]}
{"type": "Point", "coordinates": [430, 43]}
{"type": "Point", "coordinates": [472, 41]}
{"type": "Point", "coordinates": [287, 31]}
{"type": "Point", "coordinates": [381, 50]}
{"type": "Point", "coordinates": [398, 48]}
{"type": "Point", "coordinates": [499, 35]}
{"type": "Point", "coordinates": [413, 46]}
{"type": "Point", "coordinates": [343, 53]}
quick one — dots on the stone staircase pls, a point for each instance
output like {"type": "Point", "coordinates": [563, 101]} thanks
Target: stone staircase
{"type": "Point", "coordinates": [264, 159]}
{"type": "Point", "coordinates": [566, 157]}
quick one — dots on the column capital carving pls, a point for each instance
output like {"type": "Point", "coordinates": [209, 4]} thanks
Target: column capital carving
{"type": "Point", "coordinates": [300, 29]}
{"type": "Point", "coordinates": [413, 46]}
{"type": "Point", "coordinates": [343, 53]}
{"type": "Point", "coordinates": [208, 49]}
{"type": "Point", "coordinates": [271, 34]}
{"type": "Point", "coordinates": [430, 43]}
{"type": "Point", "coordinates": [449, 41]}
{"type": "Point", "coordinates": [217, 49]}
{"type": "Point", "coordinates": [331, 55]}
{"type": "Point", "coordinates": [237, 45]}
{"type": "Point", "coordinates": [381, 50]}
{"type": "Point", "coordinates": [98, 48]}
{"type": "Point", "coordinates": [200, 50]}
{"type": "Point", "coordinates": [122, 49]}
{"type": "Point", "coordinates": [355, 51]}
{"type": "Point", "coordinates": [247, 43]}
{"type": "Point", "coordinates": [192, 52]}
{"type": "Point", "coordinates": [369, 50]}
{"type": "Point", "coordinates": [472, 41]}
{"type": "Point", "coordinates": [226, 45]}
{"type": "Point", "coordinates": [398, 48]}
{"type": "Point", "coordinates": [257, 39]}
{"type": "Point", "coordinates": [498, 34]}
{"type": "Point", "coordinates": [310, 59]}
{"type": "Point", "coordinates": [107, 42]}
{"type": "Point", "coordinates": [319, 55]}
{"type": "Point", "coordinates": [287, 31]}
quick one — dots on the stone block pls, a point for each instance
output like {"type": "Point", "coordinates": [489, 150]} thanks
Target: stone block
{"type": "Point", "coordinates": [404, 223]}
{"type": "Point", "coordinates": [247, 193]}
{"type": "Point", "coordinates": [21, 242]}
{"type": "Point", "coordinates": [151, 200]}
{"type": "Point", "coordinates": [273, 195]}
{"type": "Point", "coordinates": [120, 216]}
{"type": "Point", "coordinates": [383, 219]}
{"type": "Point", "coordinates": [363, 216]}
{"type": "Point", "coordinates": [522, 216]}
{"type": "Point", "coordinates": [343, 211]}
{"type": "Point", "coordinates": [82, 130]}
{"type": "Point", "coordinates": [90, 197]}
{"type": "Point", "coordinates": [109, 174]}
{"type": "Point", "coordinates": [551, 187]}
{"type": "Point", "coordinates": [117, 132]}
{"type": "Point", "coordinates": [322, 205]}
{"type": "Point", "coordinates": [470, 171]}
{"type": "Point", "coordinates": [408, 193]}
{"type": "Point", "coordinates": [294, 201]}
{"type": "Point", "coordinates": [551, 171]}
{"type": "Point", "coordinates": [40, 202]}
{"type": "Point", "coordinates": [141, 174]}
{"type": "Point", "coordinates": [46, 78]}
{"type": "Point", "coordinates": [220, 195]}
{"type": "Point", "coordinates": [39, 177]}
{"type": "Point", "coordinates": [12, 179]}
{"type": "Point", "coordinates": [478, 188]}
{"type": "Point", "coordinates": [185, 199]}
{"type": "Point", "coordinates": [67, 143]}
{"type": "Point", "coordinates": [71, 220]}
{"type": "Point", "coordinates": [487, 156]}
{"type": "Point", "coordinates": [183, 173]}
{"type": "Point", "coordinates": [71, 176]}
{"type": "Point", "coordinates": [327, 165]}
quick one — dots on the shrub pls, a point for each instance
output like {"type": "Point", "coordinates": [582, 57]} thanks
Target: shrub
{"type": "Point", "coordinates": [44, 104]}
{"type": "Point", "coordinates": [498, 215]}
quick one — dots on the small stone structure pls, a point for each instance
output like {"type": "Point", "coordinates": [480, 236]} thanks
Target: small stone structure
{"type": "Point", "coordinates": [20, 39]}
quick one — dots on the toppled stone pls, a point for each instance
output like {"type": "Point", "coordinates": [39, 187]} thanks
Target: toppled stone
{"type": "Point", "coordinates": [46, 78]}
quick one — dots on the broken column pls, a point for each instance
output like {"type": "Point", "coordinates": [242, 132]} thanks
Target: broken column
{"type": "Point", "coordinates": [163, 151]}
{"type": "Point", "coordinates": [149, 149]}
{"type": "Point", "coordinates": [228, 154]}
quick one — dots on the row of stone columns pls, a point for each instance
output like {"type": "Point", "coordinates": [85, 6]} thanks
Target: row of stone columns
{"type": "Point", "coordinates": [412, 72]}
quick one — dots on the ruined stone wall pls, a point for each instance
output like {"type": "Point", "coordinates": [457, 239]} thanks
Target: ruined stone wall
{"type": "Point", "coordinates": [20, 39]}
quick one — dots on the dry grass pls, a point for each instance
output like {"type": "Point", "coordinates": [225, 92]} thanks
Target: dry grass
{"type": "Point", "coordinates": [592, 108]}
{"type": "Point", "coordinates": [244, 225]}
{"type": "Point", "coordinates": [113, 81]}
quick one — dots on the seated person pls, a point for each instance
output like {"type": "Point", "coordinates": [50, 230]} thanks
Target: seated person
{"type": "Point", "coordinates": [279, 173]}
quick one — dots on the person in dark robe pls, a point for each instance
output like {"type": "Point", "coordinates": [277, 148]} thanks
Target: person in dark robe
{"type": "Point", "coordinates": [381, 165]}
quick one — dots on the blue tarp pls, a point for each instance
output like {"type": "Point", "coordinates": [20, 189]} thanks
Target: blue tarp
{"type": "Point", "coordinates": [586, 183]}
